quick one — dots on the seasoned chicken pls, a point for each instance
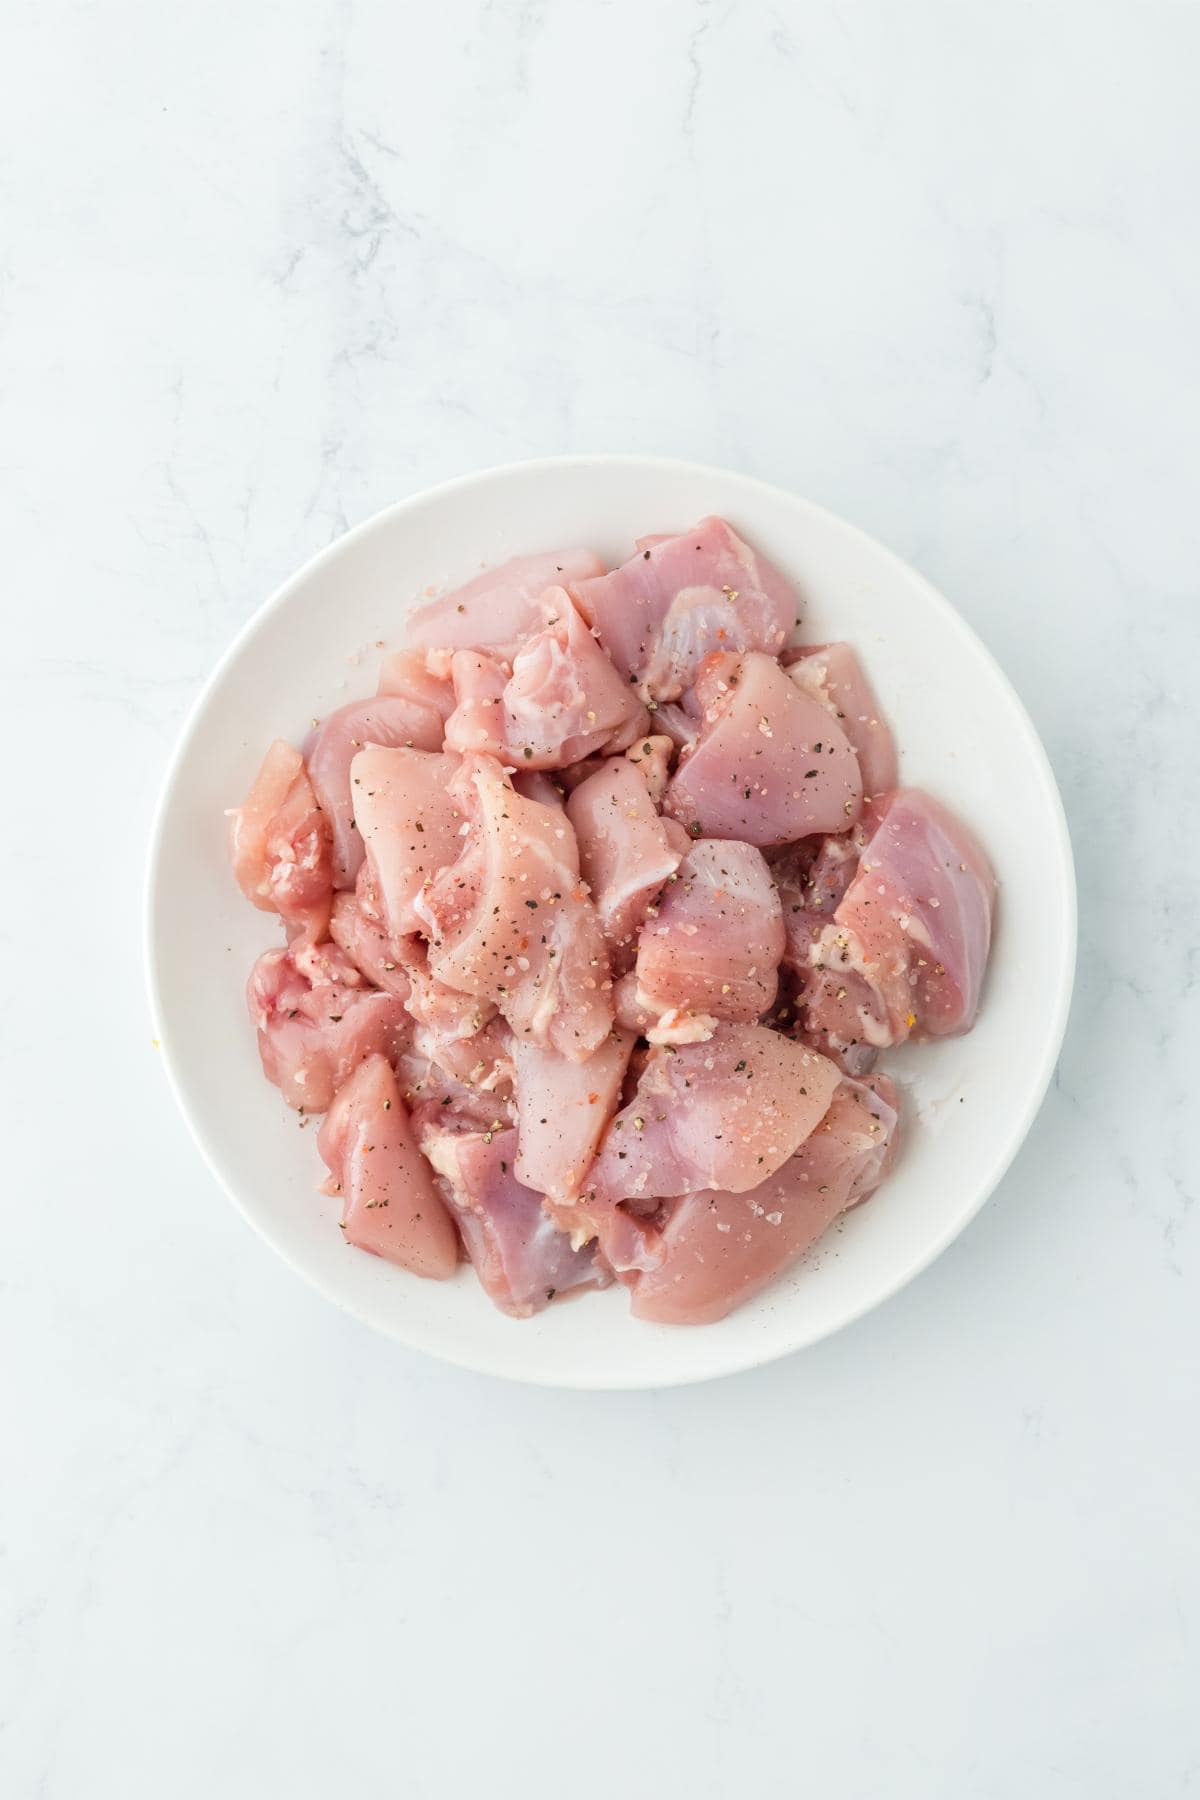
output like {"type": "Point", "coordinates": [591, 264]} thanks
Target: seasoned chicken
{"type": "Point", "coordinates": [770, 765]}
{"type": "Point", "coordinates": [680, 598]}
{"type": "Point", "coordinates": [511, 921]}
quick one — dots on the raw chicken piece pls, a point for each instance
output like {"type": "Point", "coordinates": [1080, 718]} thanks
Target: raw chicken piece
{"type": "Point", "coordinates": [714, 941]}
{"type": "Point", "coordinates": [562, 1109]}
{"type": "Point", "coordinates": [279, 843]}
{"type": "Point", "coordinates": [627, 852]}
{"type": "Point", "coordinates": [317, 1022]}
{"type": "Point", "coordinates": [810, 878]}
{"type": "Point", "coordinates": [480, 1059]}
{"type": "Point", "coordinates": [632, 1014]}
{"type": "Point", "coordinates": [681, 598]}
{"type": "Point", "coordinates": [677, 1026]}
{"type": "Point", "coordinates": [843, 1015]}
{"type": "Point", "coordinates": [511, 921]}
{"type": "Point", "coordinates": [832, 675]}
{"type": "Point", "coordinates": [719, 1249]}
{"type": "Point", "coordinates": [521, 1257]}
{"type": "Point", "coordinates": [679, 725]}
{"type": "Point", "coordinates": [534, 784]}
{"type": "Point", "coordinates": [389, 1203]}
{"type": "Point", "coordinates": [407, 676]}
{"type": "Point", "coordinates": [562, 701]}
{"type": "Point", "coordinates": [722, 1114]}
{"type": "Point", "coordinates": [333, 747]}
{"type": "Point", "coordinates": [452, 1029]}
{"type": "Point", "coordinates": [368, 946]}
{"type": "Point", "coordinates": [651, 757]}
{"type": "Point", "coordinates": [498, 609]}
{"type": "Point", "coordinates": [915, 924]}
{"type": "Point", "coordinates": [409, 825]}
{"type": "Point", "coordinates": [771, 764]}
{"type": "Point", "coordinates": [439, 1101]}
{"type": "Point", "coordinates": [725, 1112]}
{"type": "Point", "coordinates": [477, 722]}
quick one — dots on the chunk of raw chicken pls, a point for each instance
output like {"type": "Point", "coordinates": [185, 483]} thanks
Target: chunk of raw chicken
{"type": "Point", "coordinates": [511, 921]}
{"type": "Point", "coordinates": [914, 926]}
{"type": "Point", "coordinates": [810, 878]}
{"type": "Point", "coordinates": [679, 1025]}
{"type": "Point", "coordinates": [499, 609]}
{"type": "Point", "coordinates": [406, 675]}
{"type": "Point", "coordinates": [714, 941]}
{"type": "Point", "coordinates": [535, 784]}
{"type": "Point", "coordinates": [279, 843]}
{"type": "Point", "coordinates": [386, 720]}
{"type": "Point", "coordinates": [681, 598]}
{"type": "Point", "coordinates": [726, 1113]}
{"type": "Point", "coordinates": [389, 1203]}
{"type": "Point", "coordinates": [368, 946]}
{"type": "Point", "coordinates": [409, 825]}
{"type": "Point", "coordinates": [832, 675]}
{"type": "Point", "coordinates": [477, 722]}
{"type": "Point", "coordinates": [720, 1249]}
{"type": "Point", "coordinates": [627, 852]}
{"type": "Point", "coordinates": [457, 1031]}
{"type": "Point", "coordinates": [317, 1019]}
{"type": "Point", "coordinates": [651, 757]}
{"type": "Point", "coordinates": [562, 700]}
{"type": "Point", "coordinates": [521, 1257]}
{"type": "Point", "coordinates": [771, 765]}
{"type": "Point", "coordinates": [563, 1108]}
{"type": "Point", "coordinates": [677, 723]}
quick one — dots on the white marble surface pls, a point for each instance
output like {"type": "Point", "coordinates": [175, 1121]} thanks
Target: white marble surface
{"type": "Point", "coordinates": [263, 269]}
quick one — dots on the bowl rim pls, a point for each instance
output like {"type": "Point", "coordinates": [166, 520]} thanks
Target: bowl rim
{"type": "Point", "coordinates": [906, 1271]}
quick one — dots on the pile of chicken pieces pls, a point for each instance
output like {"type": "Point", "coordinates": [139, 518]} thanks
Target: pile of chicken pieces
{"type": "Point", "coordinates": [597, 917]}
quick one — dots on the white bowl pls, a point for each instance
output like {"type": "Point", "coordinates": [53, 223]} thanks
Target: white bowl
{"type": "Point", "coordinates": [962, 733]}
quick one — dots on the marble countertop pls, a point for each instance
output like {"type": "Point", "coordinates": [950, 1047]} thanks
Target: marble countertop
{"type": "Point", "coordinates": [266, 268]}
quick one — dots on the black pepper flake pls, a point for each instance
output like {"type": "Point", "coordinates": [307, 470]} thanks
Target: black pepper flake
{"type": "Point", "coordinates": [695, 828]}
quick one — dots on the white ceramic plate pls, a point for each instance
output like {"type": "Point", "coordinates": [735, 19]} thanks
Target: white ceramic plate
{"type": "Point", "coordinates": [962, 733]}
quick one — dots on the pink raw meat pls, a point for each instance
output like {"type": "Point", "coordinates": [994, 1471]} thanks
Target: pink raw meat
{"type": "Point", "coordinates": [449, 1025]}
{"type": "Point", "coordinates": [316, 1023]}
{"type": "Point", "coordinates": [279, 843]}
{"type": "Point", "coordinates": [389, 1203]}
{"type": "Point", "coordinates": [652, 757]}
{"type": "Point", "coordinates": [499, 609]}
{"type": "Point", "coordinates": [725, 1113]}
{"type": "Point", "coordinates": [368, 946]}
{"type": "Point", "coordinates": [720, 1249]}
{"type": "Point", "coordinates": [832, 675]}
{"type": "Point", "coordinates": [627, 852]}
{"type": "Point", "coordinates": [409, 825]}
{"type": "Point", "coordinates": [681, 598]}
{"type": "Point", "coordinates": [563, 1108]}
{"type": "Point", "coordinates": [915, 924]}
{"type": "Point", "coordinates": [386, 720]}
{"type": "Point", "coordinates": [714, 941]}
{"type": "Point", "coordinates": [406, 675]}
{"type": "Point", "coordinates": [511, 921]}
{"type": "Point", "coordinates": [522, 1259]}
{"type": "Point", "coordinates": [771, 765]}
{"type": "Point", "coordinates": [561, 701]}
